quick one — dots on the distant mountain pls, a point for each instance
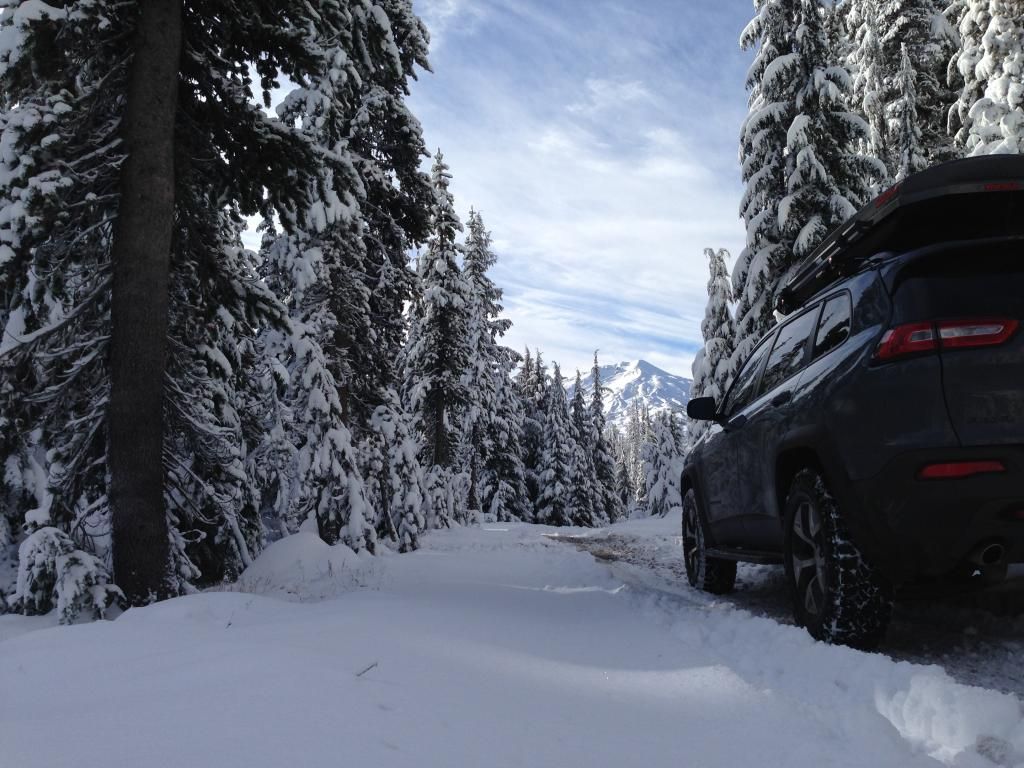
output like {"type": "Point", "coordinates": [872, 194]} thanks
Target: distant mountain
{"type": "Point", "coordinates": [638, 381]}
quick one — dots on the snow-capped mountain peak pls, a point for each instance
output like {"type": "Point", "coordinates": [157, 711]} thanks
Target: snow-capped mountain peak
{"type": "Point", "coordinates": [638, 381]}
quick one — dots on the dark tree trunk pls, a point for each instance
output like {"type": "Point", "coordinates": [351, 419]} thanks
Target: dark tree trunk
{"type": "Point", "coordinates": [138, 342]}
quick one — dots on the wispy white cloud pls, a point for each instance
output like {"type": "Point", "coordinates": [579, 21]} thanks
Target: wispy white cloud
{"type": "Point", "coordinates": [608, 95]}
{"type": "Point", "coordinates": [597, 157]}
{"type": "Point", "coordinates": [441, 16]}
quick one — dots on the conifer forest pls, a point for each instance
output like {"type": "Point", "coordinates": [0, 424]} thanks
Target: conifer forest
{"type": "Point", "coordinates": [253, 346]}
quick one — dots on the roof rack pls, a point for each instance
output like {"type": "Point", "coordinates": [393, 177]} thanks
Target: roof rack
{"type": "Point", "coordinates": [871, 230]}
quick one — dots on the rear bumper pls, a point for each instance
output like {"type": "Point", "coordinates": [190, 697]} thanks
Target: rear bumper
{"type": "Point", "coordinates": [914, 529]}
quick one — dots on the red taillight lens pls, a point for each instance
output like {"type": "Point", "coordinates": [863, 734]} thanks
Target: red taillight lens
{"type": "Point", "coordinates": [906, 340]}
{"type": "Point", "coordinates": [914, 338]}
{"type": "Point", "coordinates": [952, 470]}
{"type": "Point", "coordinates": [986, 332]}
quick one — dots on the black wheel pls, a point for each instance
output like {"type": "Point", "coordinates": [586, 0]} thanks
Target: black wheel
{"type": "Point", "coordinates": [709, 574]}
{"type": "Point", "coordinates": [837, 596]}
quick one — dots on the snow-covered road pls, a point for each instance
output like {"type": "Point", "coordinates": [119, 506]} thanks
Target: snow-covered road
{"type": "Point", "coordinates": [498, 646]}
{"type": "Point", "coordinates": [978, 639]}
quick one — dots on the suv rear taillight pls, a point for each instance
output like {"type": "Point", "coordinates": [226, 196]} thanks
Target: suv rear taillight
{"type": "Point", "coordinates": [986, 332]}
{"type": "Point", "coordinates": [914, 338]}
{"type": "Point", "coordinates": [906, 340]}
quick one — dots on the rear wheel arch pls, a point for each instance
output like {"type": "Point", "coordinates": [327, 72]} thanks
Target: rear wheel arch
{"type": "Point", "coordinates": [788, 464]}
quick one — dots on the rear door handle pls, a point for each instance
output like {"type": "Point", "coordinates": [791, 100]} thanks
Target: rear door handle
{"type": "Point", "coordinates": [782, 398]}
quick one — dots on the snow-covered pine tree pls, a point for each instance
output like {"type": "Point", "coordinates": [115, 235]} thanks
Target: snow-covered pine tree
{"type": "Point", "coordinates": [437, 352]}
{"type": "Point", "coordinates": [607, 501]}
{"type": "Point", "coordinates": [637, 435]}
{"type": "Point", "coordinates": [624, 489]}
{"type": "Point", "coordinates": [664, 466]}
{"type": "Point", "coordinates": [62, 83]}
{"type": "Point", "coordinates": [393, 475]}
{"type": "Point", "coordinates": [906, 130]}
{"type": "Point", "coordinates": [533, 387]}
{"type": "Point", "coordinates": [555, 478]}
{"type": "Point", "coordinates": [712, 370]}
{"type": "Point", "coordinates": [65, 79]}
{"type": "Point", "coordinates": [492, 425]}
{"type": "Point", "coordinates": [583, 496]}
{"type": "Point", "coordinates": [506, 496]}
{"type": "Point", "coordinates": [872, 81]}
{"type": "Point", "coordinates": [881, 28]}
{"type": "Point", "coordinates": [992, 69]}
{"type": "Point", "coordinates": [385, 142]}
{"type": "Point", "coordinates": [772, 82]}
{"type": "Point", "coordinates": [922, 27]}
{"type": "Point", "coordinates": [970, 18]}
{"type": "Point", "coordinates": [826, 181]}
{"type": "Point", "coordinates": [345, 263]}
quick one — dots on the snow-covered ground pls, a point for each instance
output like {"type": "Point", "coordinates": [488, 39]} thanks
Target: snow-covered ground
{"type": "Point", "coordinates": [500, 646]}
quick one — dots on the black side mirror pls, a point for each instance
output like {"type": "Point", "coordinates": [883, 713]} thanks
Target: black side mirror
{"type": "Point", "coordinates": [702, 409]}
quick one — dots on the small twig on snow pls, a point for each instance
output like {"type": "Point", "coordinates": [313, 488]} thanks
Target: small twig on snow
{"type": "Point", "coordinates": [360, 674]}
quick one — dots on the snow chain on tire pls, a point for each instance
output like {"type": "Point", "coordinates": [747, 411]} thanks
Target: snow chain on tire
{"type": "Point", "coordinates": [854, 602]}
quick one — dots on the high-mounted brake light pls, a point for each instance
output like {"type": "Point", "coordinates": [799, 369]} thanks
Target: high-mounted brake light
{"type": "Point", "coordinates": [915, 338]}
{"type": "Point", "coordinates": [954, 470]}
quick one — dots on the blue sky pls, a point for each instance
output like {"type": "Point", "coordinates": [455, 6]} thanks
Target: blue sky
{"type": "Point", "coordinates": [599, 140]}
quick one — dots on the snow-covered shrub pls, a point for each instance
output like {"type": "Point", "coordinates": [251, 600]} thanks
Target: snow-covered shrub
{"type": "Point", "coordinates": [53, 573]}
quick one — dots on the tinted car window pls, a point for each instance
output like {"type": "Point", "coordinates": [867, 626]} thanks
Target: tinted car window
{"type": "Point", "coordinates": [789, 353]}
{"type": "Point", "coordinates": [834, 326]}
{"type": "Point", "coordinates": [742, 391]}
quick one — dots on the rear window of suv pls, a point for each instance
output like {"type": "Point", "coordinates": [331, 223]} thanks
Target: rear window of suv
{"type": "Point", "coordinates": [790, 350]}
{"type": "Point", "coordinates": [970, 281]}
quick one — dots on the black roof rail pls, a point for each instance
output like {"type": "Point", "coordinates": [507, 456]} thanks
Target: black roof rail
{"type": "Point", "coordinates": [863, 235]}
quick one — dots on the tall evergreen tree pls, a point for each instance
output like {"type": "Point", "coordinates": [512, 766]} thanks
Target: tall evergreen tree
{"type": "Point", "coordinates": [871, 79]}
{"type": "Point", "coordinates": [663, 463]}
{"type": "Point", "coordinates": [492, 427]}
{"type": "Point", "coordinates": [772, 82]}
{"type": "Point", "coordinates": [583, 495]}
{"type": "Point", "coordinates": [67, 78]}
{"type": "Point", "coordinates": [881, 29]}
{"type": "Point", "coordinates": [608, 502]}
{"type": "Point", "coordinates": [712, 369]}
{"type": "Point", "coordinates": [971, 18]}
{"type": "Point", "coordinates": [533, 393]}
{"type": "Point", "coordinates": [826, 180]}
{"type": "Point", "coordinates": [437, 351]}
{"type": "Point", "coordinates": [910, 157]}
{"type": "Point", "coordinates": [921, 26]}
{"type": "Point", "coordinates": [991, 109]}
{"type": "Point", "coordinates": [555, 502]}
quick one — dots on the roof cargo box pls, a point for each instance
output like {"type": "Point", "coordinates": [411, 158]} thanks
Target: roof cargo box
{"type": "Point", "coordinates": [967, 199]}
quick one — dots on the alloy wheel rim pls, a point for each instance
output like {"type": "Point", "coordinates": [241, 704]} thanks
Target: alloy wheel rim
{"type": "Point", "coordinates": [807, 557]}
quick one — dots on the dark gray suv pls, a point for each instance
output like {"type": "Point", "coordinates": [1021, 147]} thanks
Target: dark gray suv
{"type": "Point", "coordinates": [874, 439]}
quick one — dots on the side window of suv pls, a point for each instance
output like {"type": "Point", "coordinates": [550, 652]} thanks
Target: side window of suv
{"type": "Point", "coordinates": [742, 390]}
{"type": "Point", "coordinates": [834, 326]}
{"type": "Point", "coordinates": [790, 350]}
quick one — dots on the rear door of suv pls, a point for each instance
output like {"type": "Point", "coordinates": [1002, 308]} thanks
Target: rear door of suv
{"type": "Point", "coordinates": [767, 418]}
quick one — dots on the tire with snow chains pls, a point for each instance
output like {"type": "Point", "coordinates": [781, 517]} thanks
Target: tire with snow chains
{"type": "Point", "coordinates": [709, 574]}
{"type": "Point", "coordinates": [837, 596]}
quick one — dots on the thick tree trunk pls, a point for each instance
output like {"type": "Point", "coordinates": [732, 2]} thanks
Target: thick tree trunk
{"type": "Point", "coordinates": [138, 343]}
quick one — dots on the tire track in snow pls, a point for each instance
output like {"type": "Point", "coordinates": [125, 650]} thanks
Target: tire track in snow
{"type": "Point", "coordinates": [972, 642]}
